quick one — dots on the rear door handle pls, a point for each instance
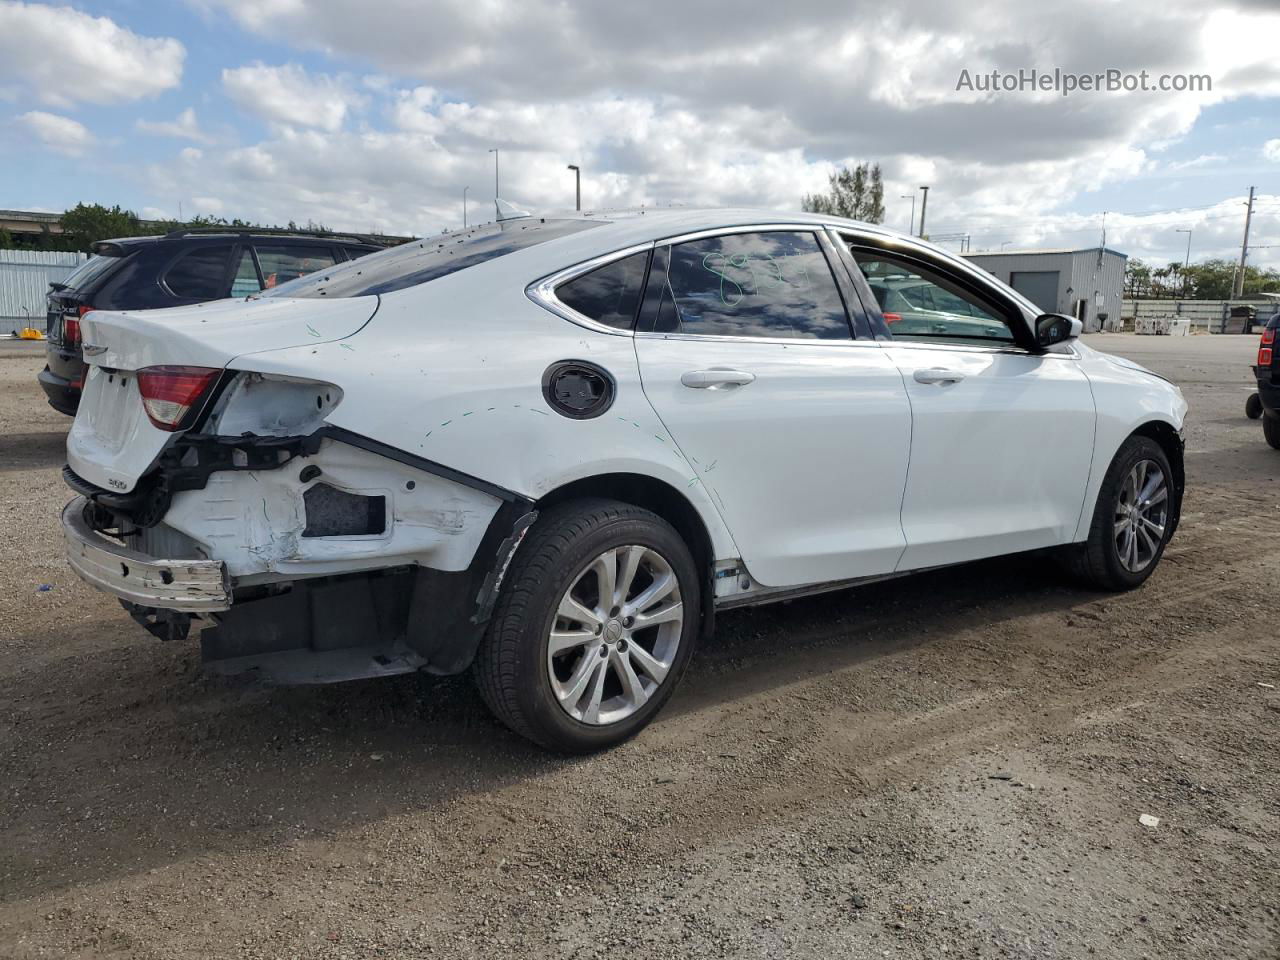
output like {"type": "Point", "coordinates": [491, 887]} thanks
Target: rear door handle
{"type": "Point", "coordinates": [938, 375]}
{"type": "Point", "coordinates": [715, 378]}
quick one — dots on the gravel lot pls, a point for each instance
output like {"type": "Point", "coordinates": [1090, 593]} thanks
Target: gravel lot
{"type": "Point", "coordinates": [948, 764]}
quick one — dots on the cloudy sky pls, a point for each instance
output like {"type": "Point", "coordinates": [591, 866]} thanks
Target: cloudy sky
{"type": "Point", "coordinates": [375, 115]}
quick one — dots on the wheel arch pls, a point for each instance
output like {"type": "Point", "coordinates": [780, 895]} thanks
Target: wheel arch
{"type": "Point", "coordinates": [660, 498]}
{"type": "Point", "coordinates": [1170, 441]}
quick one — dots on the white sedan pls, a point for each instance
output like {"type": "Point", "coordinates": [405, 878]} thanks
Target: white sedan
{"type": "Point", "coordinates": [551, 449]}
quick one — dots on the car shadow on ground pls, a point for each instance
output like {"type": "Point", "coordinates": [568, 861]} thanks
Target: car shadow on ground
{"type": "Point", "coordinates": [32, 451]}
{"type": "Point", "coordinates": [126, 757]}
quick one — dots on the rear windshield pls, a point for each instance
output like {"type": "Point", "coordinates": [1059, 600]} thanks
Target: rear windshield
{"type": "Point", "coordinates": [421, 261]}
{"type": "Point", "coordinates": [89, 271]}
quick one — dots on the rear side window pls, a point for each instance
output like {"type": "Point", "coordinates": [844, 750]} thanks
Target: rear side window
{"type": "Point", "coordinates": [281, 263]}
{"type": "Point", "coordinates": [774, 284]}
{"type": "Point", "coordinates": [199, 274]}
{"type": "Point", "coordinates": [83, 276]}
{"type": "Point", "coordinates": [608, 294]}
{"type": "Point", "coordinates": [422, 261]}
{"type": "Point", "coordinates": [245, 281]}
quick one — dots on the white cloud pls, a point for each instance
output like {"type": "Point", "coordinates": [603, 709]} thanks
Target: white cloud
{"type": "Point", "coordinates": [60, 56]}
{"type": "Point", "coordinates": [57, 133]}
{"type": "Point", "coordinates": [1271, 150]}
{"type": "Point", "coordinates": [183, 126]}
{"type": "Point", "coordinates": [288, 95]}
{"type": "Point", "coordinates": [730, 107]}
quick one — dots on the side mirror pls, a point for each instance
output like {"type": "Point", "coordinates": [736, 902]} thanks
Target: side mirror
{"type": "Point", "coordinates": [1054, 328]}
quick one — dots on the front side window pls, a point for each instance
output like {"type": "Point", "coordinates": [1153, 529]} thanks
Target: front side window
{"type": "Point", "coordinates": [773, 284]}
{"type": "Point", "coordinates": [921, 304]}
{"type": "Point", "coordinates": [200, 274]}
{"type": "Point", "coordinates": [609, 294]}
{"type": "Point", "coordinates": [281, 263]}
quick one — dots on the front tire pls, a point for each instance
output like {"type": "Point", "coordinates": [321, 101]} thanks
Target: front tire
{"type": "Point", "coordinates": [594, 626]}
{"type": "Point", "coordinates": [1131, 520]}
{"type": "Point", "coordinates": [1271, 430]}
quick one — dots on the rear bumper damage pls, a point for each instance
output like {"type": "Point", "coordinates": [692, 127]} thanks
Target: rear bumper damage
{"type": "Point", "coordinates": [282, 582]}
{"type": "Point", "coordinates": [186, 586]}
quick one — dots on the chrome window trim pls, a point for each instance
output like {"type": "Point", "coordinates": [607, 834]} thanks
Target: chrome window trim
{"type": "Point", "coordinates": [785, 341]}
{"type": "Point", "coordinates": [740, 228]}
{"type": "Point", "coordinates": [927, 251]}
{"type": "Point", "coordinates": [543, 292]}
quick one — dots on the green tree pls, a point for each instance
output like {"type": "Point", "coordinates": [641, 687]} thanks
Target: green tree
{"type": "Point", "coordinates": [6, 239]}
{"type": "Point", "coordinates": [1213, 279]}
{"type": "Point", "coordinates": [86, 223]}
{"type": "Point", "coordinates": [1137, 279]}
{"type": "Point", "coordinates": [857, 194]}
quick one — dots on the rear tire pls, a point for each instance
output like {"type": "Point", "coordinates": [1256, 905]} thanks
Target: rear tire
{"type": "Point", "coordinates": [1253, 407]}
{"type": "Point", "coordinates": [589, 680]}
{"type": "Point", "coordinates": [1130, 526]}
{"type": "Point", "coordinates": [1271, 430]}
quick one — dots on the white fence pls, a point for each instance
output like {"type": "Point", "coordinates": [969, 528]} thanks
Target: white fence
{"type": "Point", "coordinates": [1203, 316]}
{"type": "Point", "coordinates": [25, 276]}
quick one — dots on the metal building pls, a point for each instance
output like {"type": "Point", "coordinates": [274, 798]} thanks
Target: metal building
{"type": "Point", "coordinates": [25, 276]}
{"type": "Point", "coordinates": [1087, 283]}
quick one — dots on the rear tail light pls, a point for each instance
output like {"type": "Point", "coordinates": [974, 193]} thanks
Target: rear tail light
{"type": "Point", "coordinates": [1269, 335]}
{"type": "Point", "coordinates": [71, 326]}
{"type": "Point", "coordinates": [892, 317]}
{"type": "Point", "coordinates": [1264, 356]}
{"type": "Point", "coordinates": [170, 392]}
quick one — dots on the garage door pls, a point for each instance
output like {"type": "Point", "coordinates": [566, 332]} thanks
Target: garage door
{"type": "Point", "coordinates": [1038, 286]}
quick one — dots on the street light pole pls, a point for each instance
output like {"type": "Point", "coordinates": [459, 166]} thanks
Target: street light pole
{"type": "Point", "coordinates": [464, 206]}
{"type": "Point", "coordinates": [496, 212]}
{"type": "Point", "coordinates": [1185, 263]}
{"type": "Point", "coordinates": [577, 186]}
{"type": "Point", "coordinates": [924, 206]}
{"type": "Point", "coordinates": [912, 197]}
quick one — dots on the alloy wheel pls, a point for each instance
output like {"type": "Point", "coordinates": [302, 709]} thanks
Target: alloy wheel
{"type": "Point", "coordinates": [615, 634]}
{"type": "Point", "coordinates": [1142, 513]}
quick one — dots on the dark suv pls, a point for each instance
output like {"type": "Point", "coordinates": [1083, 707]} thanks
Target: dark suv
{"type": "Point", "coordinates": [1267, 370]}
{"type": "Point", "coordinates": [179, 268]}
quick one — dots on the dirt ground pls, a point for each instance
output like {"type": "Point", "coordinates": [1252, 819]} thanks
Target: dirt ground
{"type": "Point", "coordinates": [952, 764]}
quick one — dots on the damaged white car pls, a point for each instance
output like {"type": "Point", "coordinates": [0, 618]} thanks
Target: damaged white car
{"type": "Point", "coordinates": [552, 449]}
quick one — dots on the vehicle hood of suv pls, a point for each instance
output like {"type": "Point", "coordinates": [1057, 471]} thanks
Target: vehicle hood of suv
{"type": "Point", "coordinates": [213, 334]}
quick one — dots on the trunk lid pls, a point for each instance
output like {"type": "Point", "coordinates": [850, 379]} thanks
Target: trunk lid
{"type": "Point", "coordinates": [112, 443]}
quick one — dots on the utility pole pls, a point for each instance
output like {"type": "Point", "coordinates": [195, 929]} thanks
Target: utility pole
{"type": "Point", "coordinates": [497, 213]}
{"type": "Point", "coordinates": [1185, 263]}
{"type": "Point", "coordinates": [924, 206]}
{"type": "Point", "coordinates": [464, 206]}
{"type": "Point", "coordinates": [912, 197]}
{"type": "Point", "coordinates": [577, 186]}
{"type": "Point", "coordinates": [1244, 250]}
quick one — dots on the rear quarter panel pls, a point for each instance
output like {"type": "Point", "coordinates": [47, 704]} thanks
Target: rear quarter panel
{"type": "Point", "coordinates": [451, 371]}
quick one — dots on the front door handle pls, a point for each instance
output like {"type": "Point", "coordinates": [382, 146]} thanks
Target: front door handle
{"type": "Point", "coordinates": [716, 378]}
{"type": "Point", "coordinates": [938, 375]}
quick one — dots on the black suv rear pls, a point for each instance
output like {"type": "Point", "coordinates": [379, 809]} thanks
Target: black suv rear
{"type": "Point", "coordinates": [183, 267]}
{"type": "Point", "coordinates": [1267, 370]}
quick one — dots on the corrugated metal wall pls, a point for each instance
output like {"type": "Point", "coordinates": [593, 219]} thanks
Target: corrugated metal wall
{"type": "Point", "coordinates": [1004, 265]}
{"type": "Point", "coordinates": [1091, 280]}
{"type": "Point", "coordinates": [25, 276]}
{"type": "Point", "coordinates": [1080, 277]}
